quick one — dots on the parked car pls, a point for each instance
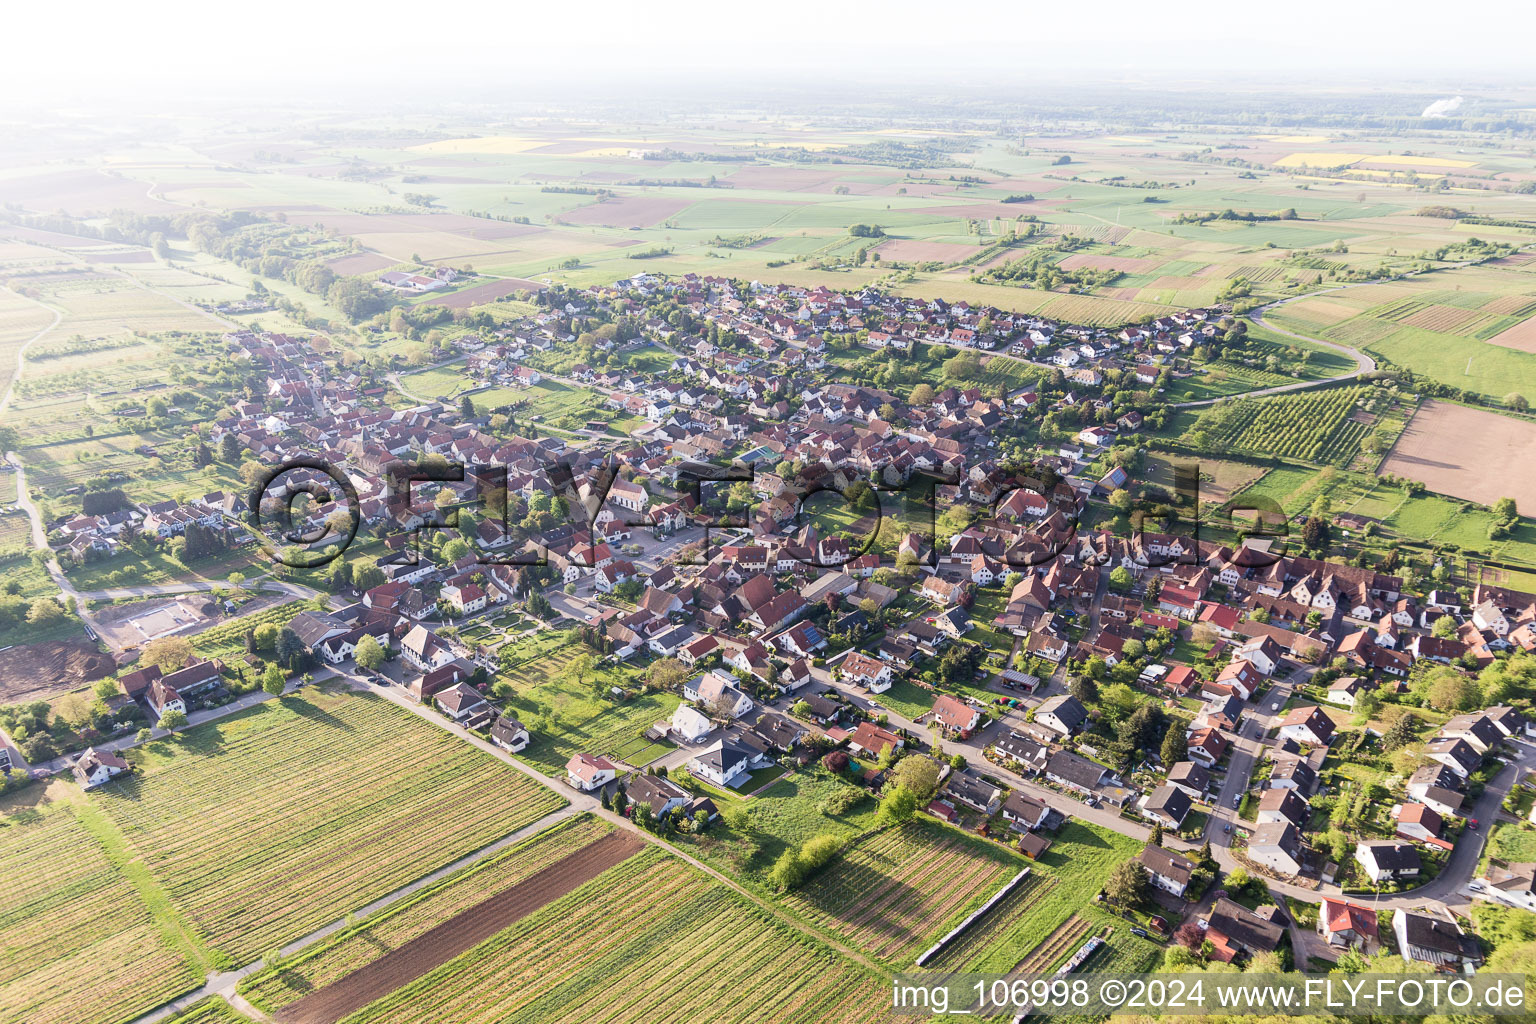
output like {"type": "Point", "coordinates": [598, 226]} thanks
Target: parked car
{"type": "Point", "coordinates": [1140, 933]}
{"type": "Point", "coordinates": [1237, 800]}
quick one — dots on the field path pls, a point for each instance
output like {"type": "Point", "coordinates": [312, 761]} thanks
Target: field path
{"type": "Point", "coordinates": [1363, 362]}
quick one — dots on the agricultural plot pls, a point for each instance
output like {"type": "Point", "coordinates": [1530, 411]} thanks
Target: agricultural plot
{"type": "Point", "coordinates": [1433, 450]}
{"type": "Point", "coordinates": [72, 919]}
{"type": "Point", "coordinates": [1080, 859]}
{"type": "Point", "coordinates": [212, 1010]}
{"type": "Point", "coordinates": [1301, 426]}
{"type": "Point", "coordinates": [338, 956]}
{"type": "Point", "coordinates": [648, 940]}
{"type": "Point", "coordinates": [895, 889]}
{"type": "Point", "coordinates": [328, 784]}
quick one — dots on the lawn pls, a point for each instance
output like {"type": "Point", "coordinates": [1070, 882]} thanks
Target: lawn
{"type": "Point", "coordinates": [281, 818]}
{"type": "Point", "coordinates": [786, 814]}
{"type": "Point", "coordinates": [639, 943]}
{"type": "Point", "coordinates": [1513, 843]}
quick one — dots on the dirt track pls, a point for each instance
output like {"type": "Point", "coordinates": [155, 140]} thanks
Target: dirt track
{"type": "Point", "coordinates": [459, 933]}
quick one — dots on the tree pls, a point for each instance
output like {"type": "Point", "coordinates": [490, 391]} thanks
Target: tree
{"type": "Point", "coordinates": [1175, 747]}
{"type": "Point", "coordinates": [1127, 885]}
{"type": "Point", "coordinates": [1444, 627]}
{"type": "Point", "coordinates": [1120, 579]}
{"type": "Point", "coordinates": [1516, 401]}
{"type": "Point", "coordinates": [143, 735]}
{"type": "Point", "coordinates": [1189, 935]}
{"type": "Point", "coordinates": [44, 611]}
{"type": "Point", "coordinates": [167, 653]}
{"type": "Point", "coordinates": [579, 669]}
{"type": "Point", "coordinates": [289, 648]}
{"type": "Point", "coordinates": [1156, 838]}
{"type": "Point", "coordinates": [899, 804]}
{"type": "Point", "coordinates": [1084, 688]}
{"type": "Point", "coordinates": [229, 448]}
{"type": "Point", "coordinates": [369, 654]}
{"type": "Point", "coordinates": [1506, 509]}
{"type": "Point", "coordinates": [467, 407]}
{"type": "Point", "coordinates": [918, 774]}
{"type": "Point", "coordinates": [273, 681]}
{"type": "Point", "coordinates": [172, 720]}
{"type": "Point", "coordinates": [1120, 500]}
{"type": "Point", "coordinates": [921, 395]}
{"type": "Point", "coordinates": [667, 674]}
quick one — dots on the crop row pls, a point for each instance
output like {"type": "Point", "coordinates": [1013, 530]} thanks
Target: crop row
{"type": "Point", "coordinates": [309, 808]}
{"type": "Point", "coordinates": [648, 940]}
{"type": "Point", "coordinates": [392, 928]}
{"type": "Point", "coordinates": [893, 889]}
{"type": "Point", "coordinates": [1295, 426]}
{"type": "Point", "coordinates": [1055, 946]}
{"type": "Point", "coordinates": [72, 919]}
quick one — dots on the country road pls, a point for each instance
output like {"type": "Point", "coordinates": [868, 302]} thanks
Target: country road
{"type": "Point", "coordinates": [1363, 363]}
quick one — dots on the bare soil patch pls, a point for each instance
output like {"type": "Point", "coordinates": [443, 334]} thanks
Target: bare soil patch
{"type": "Point", "coordinates": [134, 256]}
{"type": "Point", "coordinates": [461, 932]}
{"type": "Point", "coordinates": [914, 251]}
{"type": "Point", "coordinates": [30, 671]}
{"type": "Point", "coordinates": [360, 263]}
{"type": "Point", "coordinates": [627, 211]}
{"type": "Point", "coordinates": [1521, 337]}
{"type": "Point", "coordinates": [124, 626]}
{"type": "Point", "coordinates": [1466, 453]}
{"type": "Point", "coordinates": [489, 292]}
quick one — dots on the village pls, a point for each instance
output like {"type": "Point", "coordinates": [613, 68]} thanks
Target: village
{"type": "Point", "coordinates": [1189, 693]}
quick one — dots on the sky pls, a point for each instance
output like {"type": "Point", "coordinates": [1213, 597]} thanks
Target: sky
{"type": "Point", "coordinates": [399, 49]}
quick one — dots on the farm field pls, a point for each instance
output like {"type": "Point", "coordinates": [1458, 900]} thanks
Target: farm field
{"type": "Point", "coordinates": [1312, 426]}
{"type": "Point", "coordinates": [334, 958]}
{"type": "Point", "coordinates": [1071, 873]}
{"type": "Point", "coordinates": [247, 884]}
{"type": "Point", "coordinates": [74, 917]}
{"type": "Point", "coordinates": [893, 891]}
{"type": "Point", "coordinates": [648, 940]}
{"type": "Point", "coordinates": [1433, 450]}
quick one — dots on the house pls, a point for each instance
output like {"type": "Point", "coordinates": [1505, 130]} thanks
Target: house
{"type": "Point", "coordinates": [1436, 786]}
{"type": "Point", "coordinates": [872, 674]}
{"type": "Point", "coordinates": [1476, 729]}
{"type": "Point", "coordinates": [1235, 931]}
{"type": "Point", "coordinates": [1434, 940]}
{"type": "Point", "coordinates": [1021, 751]}
{"type": "Point", "coordinates": [465, 705]}
{"type": "Point", "coordinates": [1455, 753]}
{"type": "Point", "coordinates": [1063, 714]}
{"type": "Point", "coordinates": [779, 732]}
{"type": "Point", "coordinates": [1512, 884]}
{"type": "Point", "coordinates": [1277, 846]}
{"type": "Point", "coordinates": [1168, 871]}
{"type": "Point", "coordinates": [1262, 652]}
{"type": "Point", "coordinates": [1348, 925]}
{"type": "Point", "coordinates": [1293, 773]}
{"type": "Point", "coordinates": [727, 763]}
{"type": "Point", "coordinates": [974, 793]}
{"type": "Point", "coordinates": [1284, 805]}
{"type": "Point", "coordinates": [163, 697]}
{"type": "Point", "coordinates": [1420, 822]}
{"type": "Point", "coordinates": [1345, 690]}
{"type": "Point", "coordinates": [1076, 773]}
{"type": "Point", "coordinates": [662, 796]}
{"type": "Point", "coordinates": [1168, 805]}
{"type": "Point", "coordinates": [1309, 726]}
{"type": "Point", "coordinates": [872, 740]}
{"type": "Point", "coordinates": [1024, 812]}
{"type": "Point", "coordinates": [587, 773]}
{"type": "Point", "coordinates": [955, 715]}
{"type": "Point", "coordinates": [689, 724]}
{"type": "Point", "coordinates": [97, 767]}
{"type": "Point", "coordinates": [424, 649]}
{"type": "Point", "coordinates": [1206, 747]}
{"type": "Point", "coordinates": [1238, 677]}
{"type": "Point", "coordinates": [1387, 859]}
{"type": "Point", "coordinates": [509, 734]}
{"type": "Point", "coordinates": [1191, 778]}
{"type": "Point", "coordinates": [719, 692]}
